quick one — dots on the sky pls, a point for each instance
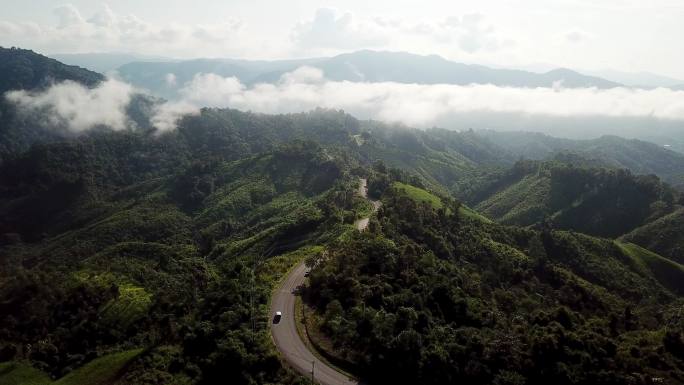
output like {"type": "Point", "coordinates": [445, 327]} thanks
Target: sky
{"type": "Point", "coordinates": [625, 35]}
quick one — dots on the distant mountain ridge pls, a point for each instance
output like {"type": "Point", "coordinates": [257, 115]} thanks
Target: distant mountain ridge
{"type": "Point", "coordinates": [367, 66]}
{"type": "Point", "coordinates": [105, 62]}
{"type": "Point", "coordinates": [636, 79]}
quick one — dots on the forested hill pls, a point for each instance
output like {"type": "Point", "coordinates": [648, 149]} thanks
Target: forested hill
{"type": "Point", "coordinates": [25, 69]}
{"type": "Point", "coordinates": [441, 157]}
{"type": "Point", "coordinates": [433, 294]}
{"type": "Point", "coordinates": [156, 254]}
{"type": "Point", "coordinates": [566, 194]}
{"type": "Point", "coordinates": [638, 156]}
{"type": "Point", "coordinates": [139, 257]}
{"type": "Point", "coordinates": [127, 246]}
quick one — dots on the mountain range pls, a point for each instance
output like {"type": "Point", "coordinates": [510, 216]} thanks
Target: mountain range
{"type": "Point", "coordinates": [367, 66]}
{"type": "Point", "coordinates": [140, 257]}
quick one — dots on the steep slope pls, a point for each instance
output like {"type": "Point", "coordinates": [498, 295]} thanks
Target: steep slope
{"type": "Point", "coordinates": [570, 196]}
{"type": "Point", "coordinates": [638, 156]}
{"type": "Point", "coordinates": [664, 236]}
{"type": "Point", "coordinates": [439, 157]}
{"type": "Point", "coordinates": [669, 273]}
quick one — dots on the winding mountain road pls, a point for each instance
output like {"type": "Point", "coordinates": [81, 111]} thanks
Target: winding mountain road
{"type": "Point", "coordinates": [285, 335]}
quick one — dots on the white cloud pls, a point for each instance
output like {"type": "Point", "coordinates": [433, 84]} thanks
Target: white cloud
{"type": "Point", "coordinates": [472, 33]}
{"type": "Point", "coordinates": [165, 116]}
{"type": "Point", "coordinates": [106, 31]}
{"type": "Point", "coordinates": [170, 80]}
{"type": "Point", "coordinates": [77, 108]}
{"type": "Point", "coordinates": [211, 90]}
{"type": "Point", "coordinates": [68, 16]}
{"type": "Point", "coordinates": [331, 28]}
{"type": "Point", "coordinates": [305, 74]}
{"type": "Point", "coordinates": [427, 105]}
{"type": "Point", "coordinates": [576, 36]}
{"type": "Point", "coordinates": [71, 106]}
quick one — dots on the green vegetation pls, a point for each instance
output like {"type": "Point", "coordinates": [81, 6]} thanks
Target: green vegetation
{"type": "Point", "coordinates": [664, 235]}
{"type": "Point", "coordinates": [17, 373]}
{"type": "Point", "coordinates": [567, 195]}
{"type": "Point", "coordinates": [26, 70]}
{"type": "Point", "coordinates": [419, 195]}
{"type": "Point", "coordinates": [167, 263]}
{"type": "Point", "coordinates": [103, 370]}
{"type": "Point", "coordinates": [136, 258]}
{"type": "Point", "coordinates": [100, 371]}
{"type": "Point", "coordinates": [131, 304]}
{"type": "Point", "coordinates": [669, 273]}
{"type": "Point", "coordinates": [472, 214]}
{"type": "Point", "coordinates": [425, 297]}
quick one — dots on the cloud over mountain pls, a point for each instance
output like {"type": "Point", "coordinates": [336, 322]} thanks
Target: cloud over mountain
{"type": "Point", "coordinates": [306, 88]}
{"type": "Point", "coordinates": [76, 107]}
{"type": "Point", "coordinates": [425, 105]}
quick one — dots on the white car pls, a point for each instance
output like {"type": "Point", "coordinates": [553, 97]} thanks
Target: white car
{"type": "Point", "coordinates": [276, 318]}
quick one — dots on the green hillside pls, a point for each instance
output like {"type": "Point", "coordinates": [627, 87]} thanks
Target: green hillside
{"type": "Point", "coordinates": [135, 257]}
{"type": "Point", "coordinates": [669, 273]}
{"type": "Point", "coordinates": [566, 195]}
{"type": "Point", "coordinates": [163, 255]}
{"type": "Point", "coordinates": [16, 373]}
{"type": "Point", "coordinates": [419, 195]}
{"type": "Point", "coordinates": [664, 236]}
{"type": "Point", "coordinates": [104, 370]}
{"type": "Point", "coordinates": [426, 290]}
{"type": "Point", "coordinates": [638, 156]}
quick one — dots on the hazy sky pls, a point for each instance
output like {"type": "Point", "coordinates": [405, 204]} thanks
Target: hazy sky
{"type": "Point", "coordinates": [588, 34]}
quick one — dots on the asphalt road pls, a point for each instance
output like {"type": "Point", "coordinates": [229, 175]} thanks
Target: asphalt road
{"type": "Point", "coordinates": [288, 341]}
{"type": "Point", "coordinates": [285, 335]}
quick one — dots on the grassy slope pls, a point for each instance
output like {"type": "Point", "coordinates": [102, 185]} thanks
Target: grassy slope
{"type": "Point", "coordinates": [669, 273]}
{"type": "Point", "coordinates": [16, 373]}
{"type": "Point", "coordinates": [103, 370]}
{"type": "Point", "coordinates": [523, 202]}
{"type": "Point", "coordinates": [664, 236]}
{"type": "Point", "coordinates": [419, 195]}
{"type": "Point", "coordinates": [472, 214]}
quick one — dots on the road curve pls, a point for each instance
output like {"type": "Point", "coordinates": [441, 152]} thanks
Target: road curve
{"type": "Point", "coordinates": [285, 335]}
{"type": "Point", "coordinates": [287, 340]}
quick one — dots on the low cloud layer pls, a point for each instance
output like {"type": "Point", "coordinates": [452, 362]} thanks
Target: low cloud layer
{"type": "Point", "coordinates": [426, 105]}
{"type": "Point", "coordinates": [79, 108]}
{"type": "Point", "coordinates": [73, 107]}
